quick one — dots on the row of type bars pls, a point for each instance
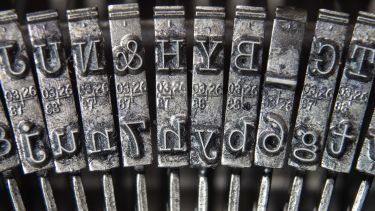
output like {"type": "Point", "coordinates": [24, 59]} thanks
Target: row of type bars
{"type": "Point", "coordinates": [259, 108]}
{"type": "Point", "coordinates": [24, 6]}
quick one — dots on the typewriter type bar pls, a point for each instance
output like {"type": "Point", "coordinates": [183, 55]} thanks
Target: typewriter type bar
{"type": "Point", "coordinates": [241, 116]}
{"type": "Point", "coordinates": [23, 105]}
{"type": "Point", "coordinates": [351, 100]}
{"type": "Point", "coordinates": [9, 160]}
{"type": "Point", "coordinates": [171, 95]}
{"type": "Point", "coordinates": [91, 73]}
{"type": "Point", "coordinates": [278, 93]}
{"type": "Point", "coordinates": [317, 97]}
{"type": "Point", "coordinates": [171, 86]}
{"type": "Point", "coordinates": [207, 94]}
{"type": "Point", "coordinates": [56, 92]}
{"type": "Point", "coordinates": [365, 164]}
{"type": "Point", "coordinates": [207, 87]}
{"type": "Point", "coordinates": [131, 91]}
{"type": "Point", "coordinates": [131, 84]}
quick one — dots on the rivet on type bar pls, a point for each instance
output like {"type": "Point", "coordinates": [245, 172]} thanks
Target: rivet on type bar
{"type": "Point", "coordinates": [207, 95]}
{"type": "Point", "coordinates": [23, 105]}
{"type": "Point", "coordinates": [351, 103]}
{"type": "Point", "coordinates": [241, 116]}
{"type": "Point", "coordinates": [317, 97]}
{"type": "Point", "coordinates": [91, 74]}
{"type": "Point", "coordinates": [131, 93]}
{"type": "Point", "coordinates": [171, 95]}
{"type": "Point", "coordinates": [278, 95]}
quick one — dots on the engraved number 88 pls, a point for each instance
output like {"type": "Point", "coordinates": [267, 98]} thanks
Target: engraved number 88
{"type": "Point", "coordinates": [199, 103]}
{"type": "Point", "coordinates": [52, 108]}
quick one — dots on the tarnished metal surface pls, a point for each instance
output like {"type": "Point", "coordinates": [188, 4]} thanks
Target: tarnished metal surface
{"type": "Point", "coordinates": [22, 101]}
{"type": "Point", "coordinates": [278, 95]}
{"type": "Point", "coordinates": [9, 160]}
{"type": "Point", "coordinates": [207, 87]}
{"type": "Point", "coordinates": [131, 92]}
{"type": "Point", "coordinates": [56, 91]}
{"type": "Point", "coordinates": [171, 86]}
{"type": "Point", "coordinates": [241, 116]}
{"type": "Point", "coordinates": [8, 152]}
{"type": "Point", "coordinates": [131, 84]}
{"type": "Point", "coordinates": [93, 89]}
{"type": "Point", "coordinates": [366, 164]}
{"type": "Point", "coordinates": [366, 159]}
{"type": "Point", "coordinates": [279, 87]}
{"type": "Point", "coordinates": [352, 97]}
{"type": "Point", "coordinates": [317, 97]}
{"type": "Point", "coordinates": [91, 73]}
{"type": "Point", "coordinates": [21, 98]}
{"type": "Point", "coordinates": [171, 95]}
{"type": "Point", "coordinates": [318, 90]}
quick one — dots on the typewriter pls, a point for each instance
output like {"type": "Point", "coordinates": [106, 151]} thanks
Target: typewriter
{"type": "Point", "coordinates": [187, 105]}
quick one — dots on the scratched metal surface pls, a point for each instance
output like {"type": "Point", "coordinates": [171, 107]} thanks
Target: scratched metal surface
{"type": "Point", "coordinates": [366, 159]}
{"type": "Point", "coordinates": [171, 87]}
{"type": "Point", "coordinates": [93, 89]}
{"type": "Point", "coordinates": [157, 186]}
{"type": "Point", "coordinates": [131, 86]}
{"type": "Point", "coordinates": [20, 93]}
{"type": "Point", "coordinates": [9, 157]}
{"type": "Point", "coordinates": [244, 85]}
{"type": "Point", "coordinates": [207, 87]}
{"type": "Point", "coordinates": [352, 98]}
{"type": "Point", "coordinates": [319, 88]}
{"type": "Point", "coordinates": [156, 183]}
{"type": "Point", "coordinates": [56, 90]}
{"type": "Point", "coordinates": [279, 88]}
